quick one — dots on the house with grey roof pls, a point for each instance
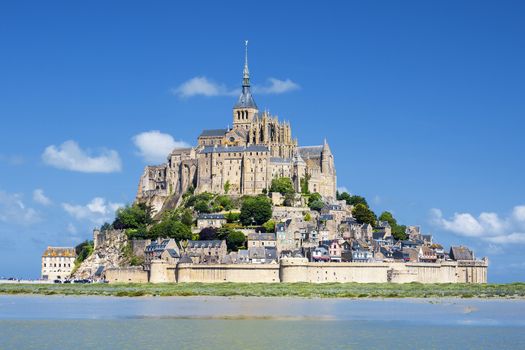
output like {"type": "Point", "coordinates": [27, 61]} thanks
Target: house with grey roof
{"type": "Point", "coordinates": [210, 220]}
{"type": "Point", "coordinates": [461, 253]}
{"type": "Point", "coordinates": [261, 239]}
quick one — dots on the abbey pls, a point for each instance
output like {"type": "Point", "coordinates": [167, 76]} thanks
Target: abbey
{"type": "Point", "coordinates": [241, 160]}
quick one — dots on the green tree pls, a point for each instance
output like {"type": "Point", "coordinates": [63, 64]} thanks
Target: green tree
{"type": "Point", "coordinates": [283, 185]}
{"type": "Point", "coordinates": [363, 214]}
{"type": "Point", "coordinates": [208, 234]}
{"type": "Point", "coordinates": [136, 216]}
{"type": "Point", "coordinates": [106, 226]}
{"type": "Point", "coordinates": [232, 217]}
{"type": "Point", "coordinates": [398, 231]}
{"type": "Point", "coordinates": [255, 210]}
{"type": "Point", "coordinates": [355, 200]}
{"type": "Point", "coordinates": [316, 205]}
{"type": "Point", "coordinates": [202, 206]}
{"type": "Point", "coordinates": [388, 217]}
{"type": "Point", "coordinates": [83, 250]}
{"type": "Point", "coordinates": [315, 201]}
{"type": "Point", "coordinates": [344, 197]}
{"type": "Point", "coordinates": [225, 202]}
{"type": "Point", "coordinates": [170, 228]}
{"type": "Point", "coordinates": [235, 240]}
{"type": "Point", "coordinates": [227, 187]}
{"type": "Point", "coordinates": [187, 218]}
{"type": "Point", "coordinates": [289, 199]}
{"type": "Point", "coordinates": [304, 184]}
{"type": "Point", "coordinates": [307, 216]}
{"type": "Point", "coordinates": [269, 226]}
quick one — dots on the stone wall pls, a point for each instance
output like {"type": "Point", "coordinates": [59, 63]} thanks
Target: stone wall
{"type": "Point", "coordinates": [138, 246]}
{"type": "Point", "coordinates": [295, 270]}
{"type": "Point", "coordinates": [248, 273]}
{"type": "Point", "coordinates": [292, 270]}
{"type": "Point", "coordinates": [126, 275]}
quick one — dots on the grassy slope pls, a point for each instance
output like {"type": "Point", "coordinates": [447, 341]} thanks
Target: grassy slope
{"type": "Point", "coordinates": [329, 290]}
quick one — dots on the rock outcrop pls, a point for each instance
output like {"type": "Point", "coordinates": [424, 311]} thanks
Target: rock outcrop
{"type": "Point", "coordinates": [108, 252]}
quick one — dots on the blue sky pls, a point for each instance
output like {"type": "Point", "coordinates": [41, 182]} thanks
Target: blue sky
{"type": "Point", "coordinates": [422, 104]}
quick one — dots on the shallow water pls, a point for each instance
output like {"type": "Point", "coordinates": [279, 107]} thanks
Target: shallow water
{"type": "Point", "coordinates": [51, 322]}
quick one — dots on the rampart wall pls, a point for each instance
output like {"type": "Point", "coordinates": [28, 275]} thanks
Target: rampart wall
{"type": "Point", "coordinates": [299, 270]}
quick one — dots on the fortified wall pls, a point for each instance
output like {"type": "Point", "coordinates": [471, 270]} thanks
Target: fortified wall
{"type": "Point", "coordinates": [299, 270]}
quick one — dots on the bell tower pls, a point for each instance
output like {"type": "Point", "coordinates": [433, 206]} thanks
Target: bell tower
{"type": "Point", "coordinates": [245, 109]}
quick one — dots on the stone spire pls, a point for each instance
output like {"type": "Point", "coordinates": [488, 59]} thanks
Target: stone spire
{"type": "Point", "coordinates": [245, 99]}
{"type": "Point", "coordinates": [246, 71]}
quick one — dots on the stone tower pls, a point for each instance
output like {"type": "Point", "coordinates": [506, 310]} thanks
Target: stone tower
{"type": "Point", "coordinates": [245, 109]}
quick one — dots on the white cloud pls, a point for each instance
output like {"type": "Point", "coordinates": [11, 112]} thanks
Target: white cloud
{"type": "Point", "coordinates": [202, 86]}
{"type": "Point", "coordinates": [40, 197]}
{"type": "Point", "coordinates": [70, 156]}
{"type": "Point", "coordinates": [98, 210]}
{"type": "Point", "coordinates": [154, 146]}
{"type": "Point", "coordinates": [487, 226]}
{"type": "Point", "coordinates": [13, 210]}
{"type": "Point", "coordinates": [519, 214]}
{"type": "Point", "coordinates": [276, 86]}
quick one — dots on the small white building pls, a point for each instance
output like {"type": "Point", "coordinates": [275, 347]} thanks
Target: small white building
{"type": "Point", "coordinates": [58, 263]}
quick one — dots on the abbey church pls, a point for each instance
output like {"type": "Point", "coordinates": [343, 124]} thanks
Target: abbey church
{"type": "Point", "coordinates": [241, 160]}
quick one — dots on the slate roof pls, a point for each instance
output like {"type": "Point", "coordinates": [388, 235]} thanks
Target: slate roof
{"type": "Point", "coordinates": [99, 271]}
{"type": "Point", "coordinates": [310, 151]}
{"type": "Point", "coordinates": [245, 99]}
{"type": "Point", "coordinates": [213, 132]}
{"type": "Point", "coordinates": [210, 216]}
{"type": "Point", "coordinates": [256, 252]}
{"type": "Point", "coordinates": [173, 253]}
{"type": "Point", "coordinates": [224, 149]}
{"type": "Point", "coordinates": [461, 253]}
{"type": "Point", "coordinates": [261, 236]}
{"type": "Point", "coordinates": [280, 160]}
{"type": "Point", "coordinates": [271, 253]}
{"type": "Point", "coordinates": [216, 243]}
{"type": "Point", "coordinates": [378, 234]}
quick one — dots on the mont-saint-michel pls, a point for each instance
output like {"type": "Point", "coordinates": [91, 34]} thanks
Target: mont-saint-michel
{"type": "Point", "coordinates": [249, 204]}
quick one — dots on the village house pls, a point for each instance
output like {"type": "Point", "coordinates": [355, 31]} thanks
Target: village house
{"type": "Point", "coordinates": [321, 254]}
{"type": "Point", "coordinates": [413, 233]}
{"type": "Point", "coordinates": [58, 263]}
{"type": "Point", "coordinates": [383, 228]}
{"type": "Point", "coordinates": [164, 249]}
{"type": "Point", "coordinates": [261, 239]}
{"type": "Point", "coordinates": [461, 253]}
{"type": "Point", "coordinates": [427, 254]}
{"type": "Point", "coordinates": [206, 251]}
{"type": "Point", "coordinates": [210, 220]}
{"type": "Point", "coordinates": [335, 249]}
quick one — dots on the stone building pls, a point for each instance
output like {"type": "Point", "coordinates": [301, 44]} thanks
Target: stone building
{"type": "Point", "coordinates": [58, 263]}
{"type": "Point", "coordinates": [212, 251]}
{"type": "Point", "coordinates": [241, 160]}
{"type": "Point", "coordinates": [261, 239]}
{"type": "Point", "coordinates": [210, 220]}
